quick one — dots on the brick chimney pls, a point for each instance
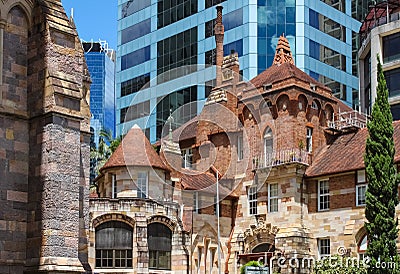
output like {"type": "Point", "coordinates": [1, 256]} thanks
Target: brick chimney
{"type": "Point", "coordinates": [230, 68]}
{"type": "Point", "coordinates": [219, 41]}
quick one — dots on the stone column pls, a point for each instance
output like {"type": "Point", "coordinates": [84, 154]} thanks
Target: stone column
{"type": "Point", "coordinates": [55, 197]}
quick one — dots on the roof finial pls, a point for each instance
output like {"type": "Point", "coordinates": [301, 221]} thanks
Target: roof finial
{"type": "Point", "coordinates": [283, 54]}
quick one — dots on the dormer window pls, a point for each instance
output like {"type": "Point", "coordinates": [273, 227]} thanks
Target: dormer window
{"type": "Point", "coordinates": [187, 158]}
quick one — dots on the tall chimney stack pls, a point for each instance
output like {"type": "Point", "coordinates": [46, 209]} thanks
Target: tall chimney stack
{"type": "Point", "coordinates": [219, 41]}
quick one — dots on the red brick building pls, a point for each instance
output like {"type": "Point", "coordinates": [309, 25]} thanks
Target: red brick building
{"type": "Point", "coordinates": [288, 157]}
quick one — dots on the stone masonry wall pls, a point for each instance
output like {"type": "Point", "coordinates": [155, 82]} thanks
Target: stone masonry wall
{"type": "Point", "coordinates": [14, 138]}
{"type": "Point", "coordinates": [44, 137]}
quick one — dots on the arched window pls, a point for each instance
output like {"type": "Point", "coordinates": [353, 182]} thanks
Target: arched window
{"type": "Point", "coordinates": [263, 248]}
{"type": "Point", "coordinates": [314, 105]}
{"type": "Point", "coordinates": [268, 145]}
{"type": "Point", "coordinates": [114, 245]}
{"type": "Point", "coordinates": [362, 247]}
{"type": "Point", "coordinates": [159, 239]}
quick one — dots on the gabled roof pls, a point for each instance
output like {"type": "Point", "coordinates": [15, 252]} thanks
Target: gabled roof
{"type": "Point", "coordinates": [135, 150]}
{"type": "Point", "coordinates": [346, 153]}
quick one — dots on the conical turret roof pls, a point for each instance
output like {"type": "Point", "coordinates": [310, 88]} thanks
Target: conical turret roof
{"type": "Point", "coordinates": [135, 150]}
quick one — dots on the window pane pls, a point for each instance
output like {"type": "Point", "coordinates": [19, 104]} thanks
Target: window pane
{"type": "Point", "coordinates": [324, 247]}
{"type": "Point", "coordinates": [323, 195]}
{"type": "Point", "coordinates": [159, 238]}
{"type": "Point", "coordinates": [391, 49]}
{"type": "Point", "coordinates": [133, 32]}
{"type": "Point", "coordinates": [135, 58]}
{"type": "Point", "coordinates": [131, 7]}
{"type": "Point", "coordinates": [392, 81]}
{"type": "Point", "coordinates": [142, 185]}
{"type": "Point", "coordinates": [252, 197]}
{"type": "Point", "coordinates": [361, 190]}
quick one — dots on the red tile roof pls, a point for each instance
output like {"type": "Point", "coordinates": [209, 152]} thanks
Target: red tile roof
{"type": "Point", "coordinates": [347, 153]}
{"type": "Point", "coordinates": [278, 73]}
{"type": "Point", "coordinates": [135, 150]}
{"type": "Point", "coordinates": [203, 181]}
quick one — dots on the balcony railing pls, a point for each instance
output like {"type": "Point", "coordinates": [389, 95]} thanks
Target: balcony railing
{"type": "Point", "coordinates": [349, 119]}
{"type": "Point", "coordinates": [126, 204]}
{"type": "Point", "coordinates": [280, 157]}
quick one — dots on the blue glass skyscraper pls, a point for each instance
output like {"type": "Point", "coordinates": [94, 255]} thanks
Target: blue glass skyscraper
{"type": "Point", "coordinates": [101, 64]}
{"type": "Point", "coordinates": [155, 36]}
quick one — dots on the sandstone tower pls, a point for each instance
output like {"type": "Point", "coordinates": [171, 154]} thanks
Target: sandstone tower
{"type": "Point", "coordinates": [44, 140]}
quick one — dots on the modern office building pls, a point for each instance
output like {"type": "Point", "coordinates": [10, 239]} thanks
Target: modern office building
{"type": "Point", "coordinates": [156, 36]}
{"type": "Point", "coordinates": [380, 34]}
{"type": "Point", "coordinates": [101, 63]}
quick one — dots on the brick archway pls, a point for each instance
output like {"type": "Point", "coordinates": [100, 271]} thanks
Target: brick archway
{"type": "Point", "coordinates": [163, 220]}
{"type": "Point", "coordinates": [113, 217]}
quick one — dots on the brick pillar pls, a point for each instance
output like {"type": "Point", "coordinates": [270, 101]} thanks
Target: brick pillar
{"type": "Point", "coordinates": [219, 41]}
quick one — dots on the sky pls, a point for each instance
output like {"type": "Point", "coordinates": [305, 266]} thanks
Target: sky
{"type": "Point", "coordinates": [94, 19]}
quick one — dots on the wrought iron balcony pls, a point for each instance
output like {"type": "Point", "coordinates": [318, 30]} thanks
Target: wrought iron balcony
{"type": "Point", "coordinates": [280, 157]}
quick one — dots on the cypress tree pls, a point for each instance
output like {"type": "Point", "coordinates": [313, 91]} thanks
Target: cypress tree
{"type": "Point", "coordinates": [381, 195]}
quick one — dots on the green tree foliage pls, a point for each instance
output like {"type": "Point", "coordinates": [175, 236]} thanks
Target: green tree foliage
{"type": "Point", "coordinates": [107, 145]}
{"type": "Point", "coordinates": [381, 196]}
{"type": "Point", "coordinates": [251, 263]}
